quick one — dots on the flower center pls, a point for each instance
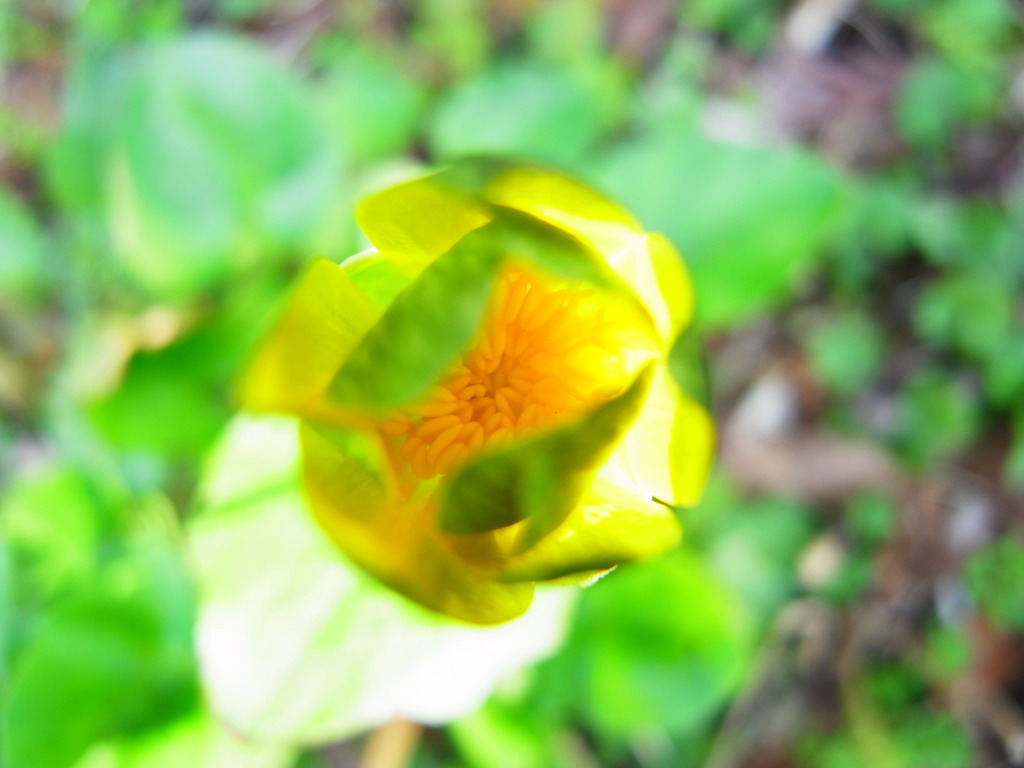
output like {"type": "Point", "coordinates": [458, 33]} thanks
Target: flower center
{"type": "Point", "coordinates": [546, 352]}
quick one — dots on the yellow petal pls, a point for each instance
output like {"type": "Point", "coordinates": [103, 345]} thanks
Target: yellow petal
{"type": "Point", "coordinates": [394, 539]}
{"type": "Point", "coordinates": [569, 205]}
{"type": "Point", "coordinates": [539, 480]}
{"type": "Point", "coordinates": [415, 222]}
{"type": "Point", "coordinates": [326, 315]}
{"type": "Point", "coordinates": [646, 263]}
{"type": "Point", "coordinates": [694, 449]}
{"type": "Point", "coordinates": [653, 268]}
{"type": "Point", "coordinates": [666, 453]}
{"type": "Point", "coordinates": [610, 526]}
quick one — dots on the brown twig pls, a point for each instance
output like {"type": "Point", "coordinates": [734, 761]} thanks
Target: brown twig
{"type": "Point", "coordinates": [392, 745]}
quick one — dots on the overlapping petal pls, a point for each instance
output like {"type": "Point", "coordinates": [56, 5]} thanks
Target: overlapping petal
{"type": "Point", "coordinates": [371, 354]}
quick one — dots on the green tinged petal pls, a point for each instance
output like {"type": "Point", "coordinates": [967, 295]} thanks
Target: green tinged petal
{"type": "Point", "coordinates": [430, 323]}
{"type": "Point", "coordinates": [687, 366]}
{"type": "Point", "coordinates": [322, 322]}
{"type": "Point", "coordinates": [667, 451]}
{"type": "Point", "coordinates": [611, 525]}
{"type": "Point", "coordinates": [377, 276]}
{"type": "Point", "coordinates": [647, 263]}
{"type": "Point", "coordinates": [348, 465]}
{"type": "Point", "coordinates": [395, 541]}
{"type": "Point", "coordinates": [565, 255]}
{"type": "Point", "coordinates": [539, 480]}
{"type": "Point", "coordinates": [415, 222]}
{"type": "Point", "coordinates": [560, 200]}
{"type": "Point", "coordinates": [693, 448]}
{"type": "Point", "coordinates": [425, 327]}
{"type": "Point", "coordinates": [658, 275]}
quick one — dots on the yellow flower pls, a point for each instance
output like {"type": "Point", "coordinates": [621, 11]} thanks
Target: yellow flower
{"type": "Point", "coordinates": [486, 398]}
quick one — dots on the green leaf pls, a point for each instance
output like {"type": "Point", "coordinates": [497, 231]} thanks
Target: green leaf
{"type": "Point", "coordinates": [937, 97]}
{"type": "Point", "coordinates": [200, 154]}
{"type": "Point", "coordinates": [988, 572]}
{"type": "Point", "coordinates": [972, 314]}
{"type": "Point", "coordinates": [752, 547]}
{"type": "Point", "coordinates": [455, 32]}
{"type": "Point", "coordinates": [491, 736]}
{"type": "Point", "coordinates": [299, 646]}
{"type": "Point", "coordinates": [75, 683]}
{"type": "Point", "coordinates": [948, 653]}
{"type": "Point", "coordinates": [661, 644]}
{"type": "Point", "coordinates": [21, 244]}
{"type": "Point", "coordinates": [750, 222]}
{"type": "Point", "coordinates": [243, 9]}
{"type": "Point", "coordinates": [851, 578]}
{"type": "Point", "coordinates": [933, 740]}
{"type": "Point", "coordinates": [566, 31]}
{"type": "Point", "coordinates": [938, 416]}
{"type": "Point", "coordinates": [516, 109]}
{"type": "Point", "coordinates": [971, 33]}
{"type": "Point", "coordinates": [847, 353]}
{"type": "Point", "coordinates": [1004, 371]}
{"type": "Point", "coordinates": [239, 470]}
{"type": "Point", "coordinates": [977, 237]}
{"type": "Point", "coordinates": [569, 36]}
{"type": "Point", "coordinates": [196, 741]}
{"type": "Point", "coordinates": [875, 227]}
{"type": "Point", "coordinates": [54, 522]}
{"type": "Point", "coordinates": [749, 23]}
{"type": "Point", "coordinates": [870, 518]}
{"type": "Point", "coordinates": [6, 608]}
{"type": "Point", "coordinates": [75, 163]}
{"type": "Point", "coordinates": [541, 479]}
{"type": "Point", "coordinates": [1013, 470]}
{"type": "Point", "coordinates": [372, 103]}
{"type": "Point", "coordinates": [104, 24]}
{"type": "Point", "coordinates": [111, 660]}
{"type": "Point", "coordinates": [898, 7]}
{"type": "Point", "coordinates": [938, 230]}
{"type": "Point", "coordinates": [171, 401]}
{"type": "Point", "coordinates": [879, 210]}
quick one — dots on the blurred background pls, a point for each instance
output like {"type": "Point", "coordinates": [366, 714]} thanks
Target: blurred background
{"type": "Point", "coordinates": [844, 178]}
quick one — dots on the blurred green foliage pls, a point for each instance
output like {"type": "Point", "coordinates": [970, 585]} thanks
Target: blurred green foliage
{"type": "Point", "coordinates": [168, 167]}
{"type": "Point", "coordinates": [23, 250]}
{"type": "Point", "coordinates": [988, 573]}
{"type": "Point", "coordinates": [200, 154]}
{"type": "Point", "coordinates": [847, 353]}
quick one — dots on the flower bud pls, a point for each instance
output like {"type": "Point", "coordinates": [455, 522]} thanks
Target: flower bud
{"type": "Point", "coordinates": [486, 397]}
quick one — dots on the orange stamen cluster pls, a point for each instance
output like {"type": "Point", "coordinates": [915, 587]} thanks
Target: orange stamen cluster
{"type": "Point", "coordinates": [546, 352]}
